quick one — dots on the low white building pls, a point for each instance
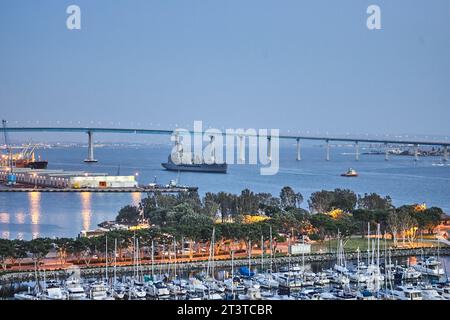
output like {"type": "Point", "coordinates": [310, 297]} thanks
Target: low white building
{"type": "Point", "coordinates": [103, 182]}
{"type": "Point", "coordinates": [300, 248]}
{"type": "Point", "coordinates": [68, 179]}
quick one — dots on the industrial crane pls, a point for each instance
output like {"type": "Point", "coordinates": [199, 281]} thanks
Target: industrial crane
{"type": "Point", "coordinates": [11, 175]}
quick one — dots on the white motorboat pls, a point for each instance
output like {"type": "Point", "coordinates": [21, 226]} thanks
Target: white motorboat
{"type": "Point", "coordinates": [74, 289]}
{"type": "Point", "coordinates": [429, 293]}
{"type": "Point", "coordinates": [406, 293]}
{"type": "Point", "coordinates": [53, 291]}
{"type": "Point", "coordinates": [443, 291]}
{"type": "Point", "coordinates": [158, 290]}
{"type": "Point", "coordinates": [407, 273]}
{"type": "Point", "coordinates": [252, 294]}
{"type": "Point", "coordinates": [28, 295]}
{"type": "Point", "coordinates": [430, 267]}
{"type": "Point", "coordinates": [321, 279]}
{"type": "Point", "coordinates": [99, 291]}
{"type": "Point", "coordinates": [235, 286]}
{"type": "Point", "coordinates": [266, 281]}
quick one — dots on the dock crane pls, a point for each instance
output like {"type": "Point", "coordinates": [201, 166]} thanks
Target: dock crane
{"type": "Point", "coordinates": [11, 179]}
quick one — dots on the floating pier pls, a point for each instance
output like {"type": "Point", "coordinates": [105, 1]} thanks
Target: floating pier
{"type": "Point", "coordinates": [99, 190]}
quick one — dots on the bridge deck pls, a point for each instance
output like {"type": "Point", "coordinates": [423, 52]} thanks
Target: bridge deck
{"type": "Point", "coordinates": [169, 132]}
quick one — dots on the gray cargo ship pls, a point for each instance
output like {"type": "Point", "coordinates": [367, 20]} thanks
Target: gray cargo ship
{"type": "Point", "coordinates": [195, 167]}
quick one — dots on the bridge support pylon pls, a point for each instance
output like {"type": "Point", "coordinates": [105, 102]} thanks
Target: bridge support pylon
{"type": "Point", "coordinates": [299, 156]}
{"type": "Point", "coordinates": [356, 150]}
{"type": "Point", "coordinates": [416, 152]}
{"type": "Point", "coordinates": [269, 148]}
{"type": "Point", "coordinates": [213, 149]}
{"type": "Point", "coordinates": [90, 157]}
{"type": "Point", "coordinates": [445, 156]}
{"type": "Point", "coordinates": [386, 152]}
{"type": "Point", "coordinates": [328, 150]}
{"type": "Point", "coordinates": [241, 155]}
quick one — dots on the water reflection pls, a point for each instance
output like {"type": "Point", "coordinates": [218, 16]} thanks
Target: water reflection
{"type": "Point", "coordinates": [4, 217]}
{"type": "Point", "coordinates": [86, 209]}
{"type": "Point", "coordinates": [34, 199]}
{"type": "Point", "coordinates": [135, 198]}
{"type": "Point", "coordinates": [20, 217]}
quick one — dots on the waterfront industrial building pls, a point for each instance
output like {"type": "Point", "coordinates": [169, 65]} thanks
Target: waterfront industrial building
{"type": "Point", "coordinates": [67, 179]}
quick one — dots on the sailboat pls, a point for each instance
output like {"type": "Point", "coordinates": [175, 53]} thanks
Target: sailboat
{"type": "Point", "coordinates": [214, 289]}
{"type": "Point", "coordinates": [341, 264]}
{"type": "Point", "coordinates": [34, 294]}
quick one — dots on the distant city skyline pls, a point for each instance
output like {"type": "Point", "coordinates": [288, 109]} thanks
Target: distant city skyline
{"type": "Point", "coordinates": [308, 66]}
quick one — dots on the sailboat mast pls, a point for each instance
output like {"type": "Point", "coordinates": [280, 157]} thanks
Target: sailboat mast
{"type": "Point", "coordinates": [213, 251]}
{"type": "Point", "coordinates": [368, 243]}
{"type": "Point", "coordinates": [175, 258]}
{"type": "Point", "coordinates": [232, 274]}
{"type": "Point", "coordinates": [115, 260]}
{"type": "Point", "coordinates": [357, 251]}
{"type": "Point", "coordinates": [153, 262]}
{"type": "Point", "coordinates": [106, 258]}
{"type": "Point", "coordinates": [249, 255]}
{"type": "Point", "coordinates": [271, 249]}
{"type": "Point", "coordinates": [303, 254]}
{"type": "Point", "coordinates": [378, 245]}
{"type": "Point", "coordinates": [262, 253]}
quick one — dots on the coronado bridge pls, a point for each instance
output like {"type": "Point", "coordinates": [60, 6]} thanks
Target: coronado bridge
{"type": "Point", "coordinates": [415, 143]}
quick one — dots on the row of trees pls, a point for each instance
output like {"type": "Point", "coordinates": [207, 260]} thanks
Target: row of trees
{"type": "Point", "coordinates": [187, 217]}
{"type": "Point", "coordinates": [330, 212]}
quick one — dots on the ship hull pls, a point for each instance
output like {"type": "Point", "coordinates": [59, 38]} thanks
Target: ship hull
{"type": "Point", "coordinates": [38, 165]}
{"type": "Point", "coordinates": [350, 173]}
{"type": "Point", "coordinates": [31, 164]}
{"type": "Point", "coordinates": [206, 168]}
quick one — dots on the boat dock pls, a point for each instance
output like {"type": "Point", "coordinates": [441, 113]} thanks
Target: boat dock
{"type": "Point", "coordinates": [57, 180]}
{"type": "Point", "coordinates": [4, 188]}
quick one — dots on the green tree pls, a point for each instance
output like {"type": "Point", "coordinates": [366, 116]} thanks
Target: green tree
{"type": "Point", "coordinates": [83, 249]}
{"type": "Point", "coordinates": [324, 224]}
{"type": "Point", "coordinates": [196, 227]}
{"type": "Point", "coordinates": [344, 199]}
{"type": "Point", "coordinates": [247, 202]}
{"type": "Point", "coordinates": [20, 251]}
{"type": "Point", "coordinates": [321, 201]}
{"type": "Point", "coordinates": [62, 246]}
{"type": "Point", "coordinates": [6, 252]}
{"type": "Point", "coordinates": [288, 198]}
{"type": "Point", "coordinates": [363, 217]}
{"type": "Point", "coordinates": [210, 205]}
{"type": "Point", "coordinates": [128, 215]}
{"type": "Point", "coordinates": [374, 201]}
{"type": "Point", "coordinates": [39, 248]}
{"type": "Point", "coordinates": [428, 219]}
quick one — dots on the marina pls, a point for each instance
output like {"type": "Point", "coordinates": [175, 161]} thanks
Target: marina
{"type": "Point", "coordinates": [292, 279]}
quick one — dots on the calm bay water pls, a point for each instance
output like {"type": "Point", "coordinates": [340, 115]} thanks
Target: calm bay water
{"type": "Point", "coordinates": [27, 215]}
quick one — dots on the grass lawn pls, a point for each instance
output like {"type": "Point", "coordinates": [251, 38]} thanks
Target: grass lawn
{"type": "Point", "coordinates": [352, 244]}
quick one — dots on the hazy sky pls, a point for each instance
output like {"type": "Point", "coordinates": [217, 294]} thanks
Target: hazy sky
{"type": "Point", "coordinates": [304, 65]}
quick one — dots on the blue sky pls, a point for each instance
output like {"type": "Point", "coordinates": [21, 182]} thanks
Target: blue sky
{"type": "Point", "coordinates": [298, 65]}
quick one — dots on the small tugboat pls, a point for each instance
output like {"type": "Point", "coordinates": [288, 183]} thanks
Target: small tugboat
{"type": "Point", "coordinates": [350, 173]}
